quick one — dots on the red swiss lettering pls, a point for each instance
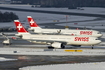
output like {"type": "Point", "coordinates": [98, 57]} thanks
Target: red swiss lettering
{"type": "Point", "coordinates": [81, 39]}
{"type": "Point", "coordinates": [85, 32]}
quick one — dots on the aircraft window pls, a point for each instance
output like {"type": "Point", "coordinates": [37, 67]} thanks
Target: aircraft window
{"type": "Point", "coordinates": [37, 37]}
{"type": "Point", "coordinates": [96, 39]}
{"type": "Point", "coordinates": [99, 32]}
{"type": "Point", "coordinates": [68, 38]}
{"type": "Point", "coordinates": [53, 38]}
{"type": "Point", "coordinates": [61, 38]}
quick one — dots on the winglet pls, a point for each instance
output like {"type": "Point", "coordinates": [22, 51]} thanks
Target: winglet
{"type": "Point", "coordinates": [32, 22]}
{"type": "Point", "coordinates": [19, 27]}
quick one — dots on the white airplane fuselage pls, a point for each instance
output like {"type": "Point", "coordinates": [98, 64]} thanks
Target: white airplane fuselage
{"type": "Point", "coordinates": [70, 40]}
{"type": "Point", "coordinates": [69, 32]}
{"type": "Point", "coordinates": [37, 29]}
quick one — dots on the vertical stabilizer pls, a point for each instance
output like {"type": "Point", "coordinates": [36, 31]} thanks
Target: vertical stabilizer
{"type": "Point", "coordinates": [20, 28]}
{"type": "Point", "coordinates": [32, 22]}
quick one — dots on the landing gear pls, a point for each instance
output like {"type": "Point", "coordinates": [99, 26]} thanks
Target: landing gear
{"type": "Point", "coordinates": [62, 46]}
{"type": "Point", "coordinates": [92, 46]}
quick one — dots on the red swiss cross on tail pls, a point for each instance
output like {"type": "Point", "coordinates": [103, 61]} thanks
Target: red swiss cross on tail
{"type": "Point", "coordinates": [32, 22]}
{"type": "Point", "coordinates": [19, 27]}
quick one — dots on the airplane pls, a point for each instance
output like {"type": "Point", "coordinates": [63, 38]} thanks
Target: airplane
{"type": "Point", "coordinates": [38, 29]}
{"type": "Point", "coordinates": [56, 41]}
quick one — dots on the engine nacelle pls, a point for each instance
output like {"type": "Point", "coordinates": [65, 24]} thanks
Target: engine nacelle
{"type": "Point", "coordinates": [57, 45]}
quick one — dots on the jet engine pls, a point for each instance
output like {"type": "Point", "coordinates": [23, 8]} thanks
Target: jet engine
{"type": "Point", "coordinates": [57, 45]}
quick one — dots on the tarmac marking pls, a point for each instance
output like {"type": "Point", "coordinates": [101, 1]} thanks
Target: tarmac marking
{"type": "Point", "coordinates": [73, 50]}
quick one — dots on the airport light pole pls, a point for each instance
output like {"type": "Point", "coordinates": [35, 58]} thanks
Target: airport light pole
{"type": "Point", "coordinates": [66, 21]}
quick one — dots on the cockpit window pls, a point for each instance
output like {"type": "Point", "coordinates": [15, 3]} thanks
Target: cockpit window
{"type": "Point", "coordinates": [99, 32]}
{"type": "Point", "coordinates": [97, 39]}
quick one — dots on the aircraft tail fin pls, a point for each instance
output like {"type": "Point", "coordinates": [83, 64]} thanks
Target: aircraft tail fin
{"type": "Point", "coordinates": [19, 27]}
{"type": "Point", "coordinates": [32, 22]}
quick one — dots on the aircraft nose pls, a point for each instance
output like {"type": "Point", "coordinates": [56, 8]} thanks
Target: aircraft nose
{"type": "Point", "coordinates": [100, 35]}
{"type": "Point", "coordinates": [99, 41]}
